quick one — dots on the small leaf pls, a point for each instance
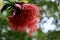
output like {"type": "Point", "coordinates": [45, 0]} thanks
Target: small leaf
{"type": "Point", "coordinates": [7, 6]}
{"type": "Point", "coordinates": [11, 0]}
{"type": "Point", "coordinates": [26, 1]}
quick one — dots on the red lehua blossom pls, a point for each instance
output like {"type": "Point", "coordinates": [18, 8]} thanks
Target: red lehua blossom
{"type": "Point", "coordinates": [24, 18]}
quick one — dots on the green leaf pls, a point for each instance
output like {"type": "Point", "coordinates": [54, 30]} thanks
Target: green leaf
{"type": "Point", "coordinates": [26, 1]}
{"type": "Point", "coordinates": [12, 1]}
{"type": "Point", "coordinates": [6, 6]}
{"type": "Point", "coordinates": [1, 4]}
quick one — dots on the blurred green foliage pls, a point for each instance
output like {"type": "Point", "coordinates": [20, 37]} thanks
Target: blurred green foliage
{"type": "Point", "coordinates": [52, 8]}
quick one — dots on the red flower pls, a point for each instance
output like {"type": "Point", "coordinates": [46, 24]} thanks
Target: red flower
{"type": "Point", "coordinates": [24, 18]}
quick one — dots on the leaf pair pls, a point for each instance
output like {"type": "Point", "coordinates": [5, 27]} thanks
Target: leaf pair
{"type": "Point", "coordinates": [7, 6]}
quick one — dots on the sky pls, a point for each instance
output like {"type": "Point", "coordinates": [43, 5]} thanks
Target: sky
{"type": "Point", "coordinates": [48, 24]}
